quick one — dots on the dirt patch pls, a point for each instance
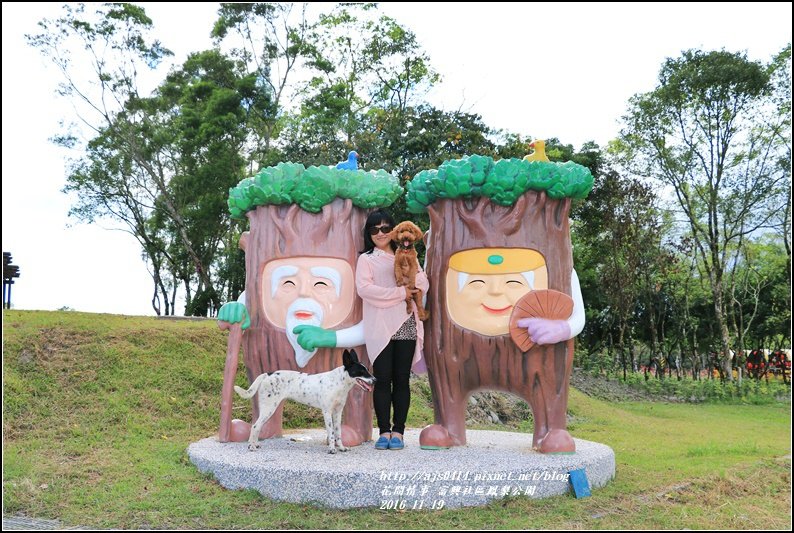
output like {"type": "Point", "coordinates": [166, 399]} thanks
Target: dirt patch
{"type": "Point", "coordinates": [497, 408]}
{"type": "Point", "coordinates": [609, 389]}
{"type": "Point", "coordinates": [492, 407]}
{"type": "Point", "coordinates": [54, 344]}
{"type": "Point", "coordinates": [486, 407]}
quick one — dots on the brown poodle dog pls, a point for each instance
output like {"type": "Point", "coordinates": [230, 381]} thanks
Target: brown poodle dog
{"type": "Point", "coordinates": [406, 265]}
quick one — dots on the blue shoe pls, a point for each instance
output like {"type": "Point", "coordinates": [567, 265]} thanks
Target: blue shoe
{"type": "Point", "coordinates": [396, 443]}
{"type": "Point", "coordinates": [382, 443]}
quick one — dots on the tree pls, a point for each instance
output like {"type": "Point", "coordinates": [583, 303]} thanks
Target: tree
{"type": "Point", "coordinates": [271, 44]}
{"type": "Point", "coordinates": [199, 116]}
{"type": "Point", "coordinates": [367, 73]}
{"type": "Point", "coordinates": [113, 44]}
{"type": "Point", "coordinates": [618, 235]}
{"type": "Point", "coordinates": [702, 131]}
{"type": "Point", "coordinates": [160, 164]}
{"type": "Point", "coordinates": [780, 69]}
{"type": "Point", "coordinates": [761, 314]}
{"type": "Point", "coordinates": [418, 138]}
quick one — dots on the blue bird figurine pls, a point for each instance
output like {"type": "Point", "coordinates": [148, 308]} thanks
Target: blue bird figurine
{"type": "Point", "coordinates": [350, 164]}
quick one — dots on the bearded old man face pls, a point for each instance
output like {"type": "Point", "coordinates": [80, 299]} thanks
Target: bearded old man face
{"type": "Point", "coordinates": [316, 291]}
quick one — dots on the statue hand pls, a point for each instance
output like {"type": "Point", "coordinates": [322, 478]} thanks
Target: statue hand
{"type": "Point", "coordinates": [545, 331]}
{"type": "Point", "coordinates": [313, 337]}
{"type": "Point", "coordinates": [234, 312]}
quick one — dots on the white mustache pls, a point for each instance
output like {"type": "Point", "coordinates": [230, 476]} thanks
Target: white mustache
{"type": "Point", "coordinates": [302, 357]}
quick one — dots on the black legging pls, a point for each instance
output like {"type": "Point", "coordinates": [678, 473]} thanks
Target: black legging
{"type": "Point", "coordinates": [392, 369]}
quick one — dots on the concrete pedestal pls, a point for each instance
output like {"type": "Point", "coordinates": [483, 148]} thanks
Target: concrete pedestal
{"type": "Point", "coordinates": [493, 465]}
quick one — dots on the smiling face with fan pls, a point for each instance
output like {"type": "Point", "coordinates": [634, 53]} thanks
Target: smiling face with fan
{"type": "Point", "coordinates": [484, 284]}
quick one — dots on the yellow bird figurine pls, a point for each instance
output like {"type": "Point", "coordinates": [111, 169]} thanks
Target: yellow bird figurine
{"type": "Point", "coordinates": [539, 152]}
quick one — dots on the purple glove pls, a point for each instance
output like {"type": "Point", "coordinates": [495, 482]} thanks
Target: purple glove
{"type": "Point", "coordinates": [545, 331]}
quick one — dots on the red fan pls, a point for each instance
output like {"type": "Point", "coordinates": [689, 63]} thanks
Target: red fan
{"type": "Point", "coordinates": [549, 304]}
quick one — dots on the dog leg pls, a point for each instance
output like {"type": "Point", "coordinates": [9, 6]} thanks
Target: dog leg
{"type": "Point", "coordinates": [337, 420]}
{"type": "Point", "coordinates": [266, 410]}
{"type": "Point", "coordinates": [409, 300]}
{"type": "Point", "coordinates": [398, 274]}
{"type": "Point", "coordinates": [328, 417]}
{"type": "Point", "coordinates": [423, 313]}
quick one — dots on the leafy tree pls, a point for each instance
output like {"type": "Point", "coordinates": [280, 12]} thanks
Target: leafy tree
{"type": "Point", "coordinates": [272, 41]}
{"type": "Point", "coordinates": [160, 164]}
{"type": "Point", "coordinates": [367, 72]}
{"type": "Point", "coordinates": [760, 314]}
{"type": "Point", "coordinates": [366, 78]}
{"type": "Point", "coordinates": [702, 131]}
{"type": "Point", "coordinates": [780, 69]}
{"type": "Point", "coordinates": [417, 138]}
{"type": "Point", "coordinates": [617, 237]}
{"type": "Point", "coordinates": [114, 45]}
{"type": "Point", "coordinates": [199, 114]}
{"type": "Point", "coordinates": [420, 137]}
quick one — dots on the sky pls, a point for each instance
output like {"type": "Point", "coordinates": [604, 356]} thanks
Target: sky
{"type": "Point", "coordinates": [596, 55]}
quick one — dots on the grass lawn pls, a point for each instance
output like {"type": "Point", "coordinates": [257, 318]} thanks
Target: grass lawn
{"type": "Point", "coordinates": [98, 411]}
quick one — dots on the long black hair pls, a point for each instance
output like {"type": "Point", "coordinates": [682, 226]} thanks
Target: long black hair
{"type": "Point", "coordinates": [374, 219]}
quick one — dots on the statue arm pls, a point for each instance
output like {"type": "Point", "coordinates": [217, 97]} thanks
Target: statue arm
{"type": "Point", "coordinates": [546, 331]}
{"type": "Point", "coordinates": [235, 312]}
{"type": "Point", "coordinates": [313, 337]}
{"type": "Point", "coordinates": [350, 337]}
{"type": "Point", "coordinates": [576, 320]}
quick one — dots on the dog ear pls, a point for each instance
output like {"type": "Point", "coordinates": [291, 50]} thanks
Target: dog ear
{"type": "Point", "coordinates": [347, 358]}
{"type": "Point", "coordinates": [353, 356]}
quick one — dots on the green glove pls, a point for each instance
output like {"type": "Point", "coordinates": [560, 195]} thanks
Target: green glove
{"type": "Point", "coordinates": [234, 312]}
{"type": "Point", "coordinates": [312, 337]}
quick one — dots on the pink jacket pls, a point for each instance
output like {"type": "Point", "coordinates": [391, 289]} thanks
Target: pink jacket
{"type": "Point", "coordinates": [384, 304]}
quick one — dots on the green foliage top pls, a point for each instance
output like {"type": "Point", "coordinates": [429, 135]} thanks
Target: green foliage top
{"type": "Point", "coordinates": [502, 181]}
{"type": "Point", "coordinates": [312, 188]}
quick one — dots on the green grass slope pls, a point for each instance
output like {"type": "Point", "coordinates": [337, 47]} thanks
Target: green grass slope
{"type": "Point", "coordinates": [98, 411]}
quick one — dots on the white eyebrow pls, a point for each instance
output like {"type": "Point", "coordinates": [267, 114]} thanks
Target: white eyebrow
{"type": "Point", "coordinates": [278, 273]}
{"type": "Point", "coordinates": [462, 277]}
{"type": "Point", "coordinates": [329, 273]}
{"type": "Point", "coordinates": [529, 275]}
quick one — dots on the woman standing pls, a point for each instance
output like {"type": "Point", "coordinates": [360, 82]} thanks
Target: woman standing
{"type": "Point", "coordinates": [393, 334]}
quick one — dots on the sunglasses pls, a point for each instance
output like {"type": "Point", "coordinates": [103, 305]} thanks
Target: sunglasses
{"type": "Point", "coordinates": [383, 229]}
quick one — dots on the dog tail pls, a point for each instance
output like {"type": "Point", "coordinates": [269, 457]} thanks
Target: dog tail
{"type": "Point", "coordinates": [252, 389]}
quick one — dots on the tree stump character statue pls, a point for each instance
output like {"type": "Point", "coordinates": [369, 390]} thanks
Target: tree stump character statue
{"type": "Point", "coordinates": [506, 300]}
{"type": "Point", "coordinates": [300, 255]}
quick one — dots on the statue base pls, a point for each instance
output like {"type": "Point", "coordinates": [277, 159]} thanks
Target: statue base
{"type": "Point", "coordinates": [492, 465]}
